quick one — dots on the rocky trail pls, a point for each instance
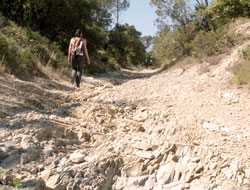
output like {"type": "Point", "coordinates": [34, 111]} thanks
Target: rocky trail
{"type": "Point", "coordinates": [128, 130]}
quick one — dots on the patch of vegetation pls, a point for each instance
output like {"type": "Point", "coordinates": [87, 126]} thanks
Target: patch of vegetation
{"type": "Point", "coordinates": [242, 70]}
{"type": "Point", "coordinates": [4, 46]}
{"type": "Point", "coordinates": [242, 74]}
{"type": "Point", "coordinates": [26, 52]}
{"type": "Point", "coordinates": [15, 182]}
{"type": "Point", "coordinates": [122, 44]}
{"type": "Point", "coordinates": [100, 63]}
{"type": "Point", "coordinates": [211, 43]}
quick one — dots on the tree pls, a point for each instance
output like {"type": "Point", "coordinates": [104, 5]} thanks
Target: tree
{"type": "Point", "coordinates": [225, 10]}
{"type": "Point", "coordinates": [177, 10]}
{"type": "Point", "coordinates": [120, 5]}
{"type": "Point", "coordinates": [147, 41]}
{"type": "Point", "coordinates": [203, 19]}
{"type": "Point", "coordinates": [125, 46]}
{"type": "Point", "coordinates": [201, 2]}
{"type": "Point", "coordinates": [174, 37]}
{"type": "Point", "coordinates": [115, 7]}
{"type": "Point", "coordinates": [58, 19]}
{"type": "Point", "coordinates": [172, 43]}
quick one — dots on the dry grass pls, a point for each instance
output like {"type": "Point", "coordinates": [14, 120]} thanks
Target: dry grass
{"type": "Point", "coordinates": [186, 63]}
{"type": "Point", "coordinates": [241, 74]}
{"type": "Point", "coordinates": [239, 30]}
{"type": "Point", "coordinates": [2, 67]}
{"type": "Point", "coordinates": [214, 60]}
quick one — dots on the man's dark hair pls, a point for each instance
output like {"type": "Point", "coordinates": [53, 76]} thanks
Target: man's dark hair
{"type": "Point", "coordinates": [78, 33]}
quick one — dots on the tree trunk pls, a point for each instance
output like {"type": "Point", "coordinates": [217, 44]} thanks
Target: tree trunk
{"type": "Point", "coordinates": [117, 11]}
{"type": "Point", "coordinates": [206, 1]}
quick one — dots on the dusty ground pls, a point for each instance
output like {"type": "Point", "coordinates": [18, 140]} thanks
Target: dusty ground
{"type": "Point", "coordinates": [177, 129]}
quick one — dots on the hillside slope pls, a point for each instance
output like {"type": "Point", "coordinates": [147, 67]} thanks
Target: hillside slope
{"type": "Point", "coordinates": [128, 130]}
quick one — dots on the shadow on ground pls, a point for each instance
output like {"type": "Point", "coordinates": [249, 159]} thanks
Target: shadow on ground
{"type": "Point", "coordinates": [125, 75]}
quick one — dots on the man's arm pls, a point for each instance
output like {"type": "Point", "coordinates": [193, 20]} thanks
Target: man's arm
{"type": "Point", "coordinates": [69, 52]}
{"type": "Point", "coordinates": [86, 50]}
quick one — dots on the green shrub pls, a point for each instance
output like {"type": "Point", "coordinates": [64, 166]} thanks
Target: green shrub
{"type": "Point", "coordinates": [205, 43]}
{"type": "Point", "coordinates": [223, 11]}
{"type": "Point", "coordinates": [33, 36]}
{"type": "Point", "coordinates": [211, 43]}
{"type": "Point", "coordinates": [3, 21]}
{"type": "Point", "coordinates": [242, 73]}
{"type": "Point", "coordinates": [41, 52]}
{"type": "Point", "coordinates": [25, 54]}
{"type": "Point", "coordinates": [242, 70]}
{"type": "Point", "coordinates": [4, 46]}
{"type": "Point", "coordinates": [246, 53]}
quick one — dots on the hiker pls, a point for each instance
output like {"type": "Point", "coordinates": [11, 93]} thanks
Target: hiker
{"type": "Point", "coordinates": [75, 56]}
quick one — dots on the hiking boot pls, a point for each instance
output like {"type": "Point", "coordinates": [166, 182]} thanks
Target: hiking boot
{"type": "Point", "coordinates": [72, 80]}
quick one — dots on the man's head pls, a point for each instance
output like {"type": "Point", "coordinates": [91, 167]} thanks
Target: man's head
{"type": "Point", "coordinates": [78, 33]}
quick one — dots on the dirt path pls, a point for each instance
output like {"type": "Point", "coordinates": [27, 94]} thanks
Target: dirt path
{"type": "Point", "coordinates": [180, 129]}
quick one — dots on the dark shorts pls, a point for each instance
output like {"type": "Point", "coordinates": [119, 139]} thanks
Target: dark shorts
{"type": "Point", "coordinates": [77, 66]}
{"type": "Point", "coordinates": [77, 62]}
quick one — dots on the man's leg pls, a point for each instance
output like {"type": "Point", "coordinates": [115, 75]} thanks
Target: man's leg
{"type": "Point", "coordinates": [79, 71]}
{"type": "Point", "coordinates": [74, 69]}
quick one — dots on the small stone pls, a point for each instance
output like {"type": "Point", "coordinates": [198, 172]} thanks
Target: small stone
{"type": "Point", "coordinates": [210, 126]}
{"type": "Point", "coordinates": [235, 101]}
{"type": "Point", "coordinates": [228, 95]}
{"type": "Point", "coordinates": [150, 182]}
{"type": "Point", "coordinates": [213, 166]}
{"type": "Point", "coordinates": [141, 117]}
{"type": "Point", "coordinates": [140, 129]}
{"type": "Point", "coordinates": [47, 151]}
{"type": "Point", "coordinates": [83, 135]}
{"type": "Point", "coordinates": [33, 171]}
{"type": "Point", "coordinates": [45, 174]}
{"type": "Point", "coordinates": [165, 173]}
{"type": "Point", "coordinates": [195, 159]}
{"type": "Point", "coordinates": [52, 181]}
{"type": "Point", "coordinates": [77, 157]}
{"type": "Point", "coordinates": [11, 162]}
{"type": "Point", "coordinates": [141, 146]}
{"type": "Point", "coordinates": [145, 155]}
{"type": "Point", "coordinates": [134, 171]}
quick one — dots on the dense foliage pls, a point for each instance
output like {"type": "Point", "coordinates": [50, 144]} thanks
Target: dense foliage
{"type": "Point", "coordinates": [225, 10]}
{"type": "Point", "coordinates": [125, 45]}
{"type": "Point", "coordinates": [196, 31]}
{"type": "Point", "coordinates": [184, 30]}
{"type": "Point", "coordinates": [58, 20]}
{"type": "Point", "coordinates": [26, 52]}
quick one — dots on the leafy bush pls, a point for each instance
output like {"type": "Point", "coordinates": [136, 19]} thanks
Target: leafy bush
{"type": "Point", "coordinates": [125, 46]}
{"type": "Point", "coordinates": [211, 43]}
{"type": "Point", "coordinates": [172, 44]}
{"type": "Point", "coordinates": [246, 53]}
{"type": "Point", "coordinates": [225, 10]}
{"type": "Point", "coordinates": [101, 63]}
{"type": "Point", "coordinates": [205, 43]}
{"type": "Point", "coordinates": [41, 52]}
{"type": "Point", "coordinates": [3, 21]}
{"type": "Point", "coordinates": [25, 54]}
{"type": "Point", "coordinates": [4, 46]}
{"type": "Point", "coordinates": [70, 15]}
{"type": "Point", "coordinates": [242, 70]}
{"type": "Point", "coordinates": [242, 73]}
{"type": "Point", "coordinates": [22, 51]}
